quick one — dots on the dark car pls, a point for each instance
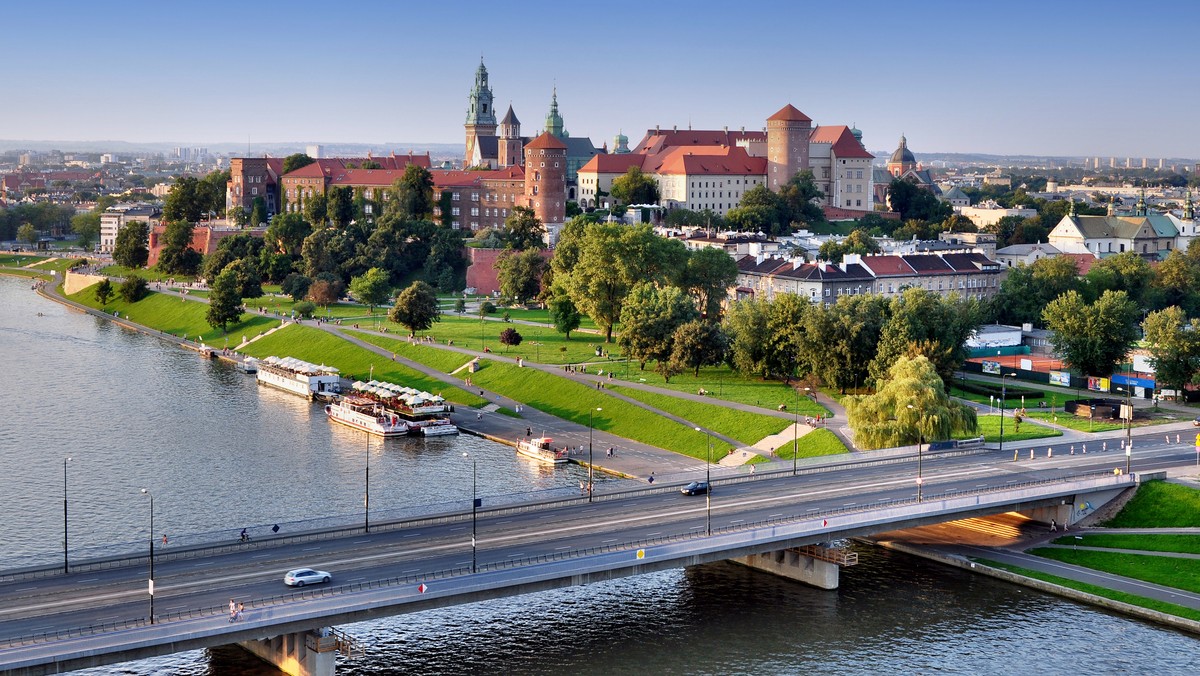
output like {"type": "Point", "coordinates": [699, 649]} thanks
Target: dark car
{"type": "Point", "coordinates": [695, 488]}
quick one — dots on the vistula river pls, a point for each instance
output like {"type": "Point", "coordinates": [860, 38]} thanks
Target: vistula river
{"type": "Point", "coordinates": [220, 454]}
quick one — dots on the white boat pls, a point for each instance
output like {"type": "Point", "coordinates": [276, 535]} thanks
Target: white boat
{"type": "Point", "coordinates": [248, 365]}
{"type": "Point", "coordinates": [427, 414]}
{"type": "Point", "coordinates": [435, 427]}
{"type": "Point", "coordinates": [541, 448]}
{"type": "Point", "coordinates": [366, 415]}
{"type": "Point", "coordinates": [298, 377]}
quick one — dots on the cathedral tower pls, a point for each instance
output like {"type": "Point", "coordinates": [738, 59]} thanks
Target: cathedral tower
{"type": "Point", "coordinates": [508, 146]}
{"type": "Point", "coordinates": [481, 117]}
{"type": "Point", "coordinates": [787, 145]}
{"type": "Point", "coordinates": [546, 179]}
{"type": "Point", "coordinates": [554, 121]}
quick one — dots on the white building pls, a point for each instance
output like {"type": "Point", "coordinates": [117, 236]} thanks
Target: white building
{"type": "Point", "coordinates": [990, 213]}
{"type": "Point", "coordinates": [118, 216]}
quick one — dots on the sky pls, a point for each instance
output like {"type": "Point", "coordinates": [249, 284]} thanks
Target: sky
{"type": "Point", "coordinates": [1082, 78]}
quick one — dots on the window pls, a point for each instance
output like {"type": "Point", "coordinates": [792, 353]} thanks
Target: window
{"type": "Point", "coordinates": [474, 197]}
{"type": "Point", "coordinates": [474, 211]}
{"type": "Point", "coordinates": [454, 196]}
{"type": "Point", "coordinates": [454, 211]}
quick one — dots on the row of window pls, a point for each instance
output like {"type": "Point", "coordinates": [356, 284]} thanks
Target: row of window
{"type": "Point", "coordinates": [763, 283]}
{"type": "Point", "coordinates": [1164, 245]}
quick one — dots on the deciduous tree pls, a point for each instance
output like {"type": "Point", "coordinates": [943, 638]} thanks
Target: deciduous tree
{"type": "Point", "coordinates": [523, 230]}
{"type": "Point", "coordinates": [130, 248]}
{"type": "Point", "coordinates": [1092, 338]}
{"type": "Point", "coordinates": [371, 288]}
{"type": "Point", "coordinates": [520, 275]}
{"type": "Point", "coordinates": [649, 318]}
{"type": "Point", "coordinates": [510, 338]}
{"type": "Point", "coordinates": [634, 187]}
{"type": "Point", "coordinates": [698, 343]}
{"type": "Point", "coordinates": [416, 307]}
{"type": "Point", "coordinates": [1174, 344]}
{"type": "Point", "coordinates": [910, 405]}
{"type": "Point", "coordinates": [563, 313]}
{"type": "Point", "coordinates": [224, 301]}
{"type": "Point", "coordinates": [104, 291]}
{"type": "Point", "coordinates": [709, 274]}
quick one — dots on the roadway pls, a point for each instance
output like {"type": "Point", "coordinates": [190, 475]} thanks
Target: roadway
{"type": "Point", "coordinates": [252, 573]}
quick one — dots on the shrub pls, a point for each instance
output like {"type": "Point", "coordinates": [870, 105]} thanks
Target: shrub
{"type": "Point", "coordinates": [305, 308]}
{"type": "Point", "coordinates": [133, 289]}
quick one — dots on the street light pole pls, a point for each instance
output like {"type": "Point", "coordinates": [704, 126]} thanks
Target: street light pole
{"type": "Point", "coordinates": [66, 564]}
{"type": "Point", "coordinates": [708, 482]}
{"type": "Point", "coordinates": [1002, 393]}
{"type": "Point", "coordinates": [590, 465]}
{"type": "Point", "coordinates": [1128, 427]}
{"type": "Point", "coordinates": [151, 583]}
{"type": "Point", "coordinates": [920, 463]}
{"type": "Point", "coordinates": [474, 511]}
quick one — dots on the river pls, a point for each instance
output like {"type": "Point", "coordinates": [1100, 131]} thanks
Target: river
{"type": "Point", "coordinates": [220, 454]}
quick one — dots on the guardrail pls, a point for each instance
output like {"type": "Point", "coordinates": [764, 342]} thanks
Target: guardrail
{"type": "Point", "coordinates": [691, 535]}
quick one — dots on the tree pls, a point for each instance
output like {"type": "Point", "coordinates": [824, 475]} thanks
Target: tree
{"type": "Point", "coordinates": [412, 194]}
{"type": "Point", "coordinates": [914, 202]}
{"type": "Point", "coordinates": [416, 307]}
{"type": "Point", "coordinates": [104, 291]}
{"type": "Point", "coordinates": [239, 215]}
{"type": "Point", "coordinates": [1027, 290]}
{"type": "Point", "coordinates": [520, 275]}
{"type": "Point", "coordinates": [130, 248]}
{"type": "Point", "coordinates": [510, 338]}
{"type": "Point", "coordinates": [372, 288]}
{"type": "Point", "coordinates": [761, 210]}
{"type": "Point", "coordinates": [87, 227]}
{"type": "Point", "coordinates": [698, 343]}
{"type": "Point", "coordinates": [247, 276]}
{"type": "Point", "coordinates": [315, 209]}
{"type": "Point", "coordinates": [296, 161]}
{"type": "Point", "coordinates": [224, 302]}
{"type": "Point", "coordinates": [859, 241]}
{"type": "Point", "coordinates": [327, 288]}
{"type": "Point", "coordinates": [339, 205]}
{"type": "Point", "coordinates": [1176, 279]}
{"type": "Point", "coordinates": [296, 285]}
{"type": "Point", "coordinates": [177, 256]}
{"type": "Point", "coordinates": [486, 308]}
{"type": "Point", "coordinates": [460, 305]}
{"type": "Point", "coordinates": [1092, 338]}
{"type": "Point", "coordinates": [746, 325]}
{"type": "Point", "coordinates": [133, 289]}
{"type": "Point", "coordinates": [708, 275]}
{"type": "Point", "coordinates": [563, 313]}
{"type": "Point", "coordinates": [187, 201]}
{"type": "Point", "coordinates": [258, 212]}
{"type": "Point", "coordinates": [1126, 272]}
{"type": "Point", "coordinates": [634, 187]}
{"type": "Point", "coordinates": [1174, 346]}
{"type": "Point", "coordinates": [801, 195]}
{"type": "Point", "coordinates": [911, 405]}
{"type": "Point", "coordinates": [785, 326]}
{"type": "Point", "coordinates": [286, 233]}
{"type": "Point", "coordinates": [932, 325]}
{"type": "Point", "coordinates": [28, 234]}
{"type": "Point", "coordinates": [840, 340]}
{"type": "Point", "coordinates": [649, 318]}
{"type": "Point", "coordinates": [523, 230]}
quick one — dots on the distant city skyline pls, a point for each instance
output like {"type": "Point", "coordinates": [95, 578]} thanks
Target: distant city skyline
{"type": "Point", "coordinates": [1047, 79]}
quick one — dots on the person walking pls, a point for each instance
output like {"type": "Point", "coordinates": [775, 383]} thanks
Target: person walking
{"type": "Point", "coordinates": [1053, 526]}
{"type": "Point", "coordinates": [232, 610]}
{"type": "Point", "coordinates": [241, 607]}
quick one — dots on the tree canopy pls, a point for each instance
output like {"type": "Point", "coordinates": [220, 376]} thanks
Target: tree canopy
{"type": "Point", "coordinates": [224, 301]}
{"type": "Point", "coordinates": [372, 288]}
{"type": "Point", "coordinates": [1174, 344]}
{"type": "Point", "coordinates": [416, 307]}
{"type": "Point", "coordinates": [649, 318]}
{"type": "Point", "coordinates": [1092, 338]}
{"type": "Point", "coordinates": [131, 246]}
{"type": "Point", "coordinates": [520, 275]}
{"type": "Point", "coordinates": [523, 230]}
{"type": "Point", "coordinates": [635, 187]}
{"type": "Point", "coordinates": [910, 405]}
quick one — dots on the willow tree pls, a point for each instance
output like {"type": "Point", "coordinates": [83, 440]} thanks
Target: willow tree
{"type": "Point", "coordinates": [911, 405]}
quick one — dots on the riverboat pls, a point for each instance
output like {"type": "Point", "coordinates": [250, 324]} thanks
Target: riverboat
{"type": "Point", "coordinates": [248, 365]}
{"type": "Point", "coordinates": [299, 377]}
{"type": "Point", "coordinates": [426, 414]}
{"type": "Point", "coordinates": [542, 449]}
{"type": "Point", "coordinates": [364, 414]}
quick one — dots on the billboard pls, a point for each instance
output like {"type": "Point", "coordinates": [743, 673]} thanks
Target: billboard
{"type": "Point", "coordinates": [1060, 378]}
{"type": "Point", "coordinates": [992, 367]}
{"type": "Point", "coordinates": [1098, 384]}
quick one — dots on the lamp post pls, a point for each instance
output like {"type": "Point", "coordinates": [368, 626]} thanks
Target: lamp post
{"type": "Point", "coordinates": [150, 586]}
{"type": "Point", "coordinates": [66, 565]}
{"type": "Point", "coordinates": [590, 465]}
{"type": "Point", "coordinates": [474, 509]}
{"type": "Point", "coordinates": [1128, 426]}
{"type": "Point", "coordinates": [708, 482]}
{"type": "Point", "coordinates": [1002, 393]}
{"type": "Point", "coordinates": [796, 433]}
{"type": "Point", "coordinates": [920, 463]}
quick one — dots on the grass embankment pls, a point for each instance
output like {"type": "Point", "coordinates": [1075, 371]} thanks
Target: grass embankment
{"type": "Point", "coordinates": [148, 274]}
{"type": "Point", "coordinates": [1140, 601]}
{"type": "Point", "coordinates": [989, 427]}
{"type": "Point", "coordinates": [1168, 571]}
{"type": "Point", "coordinates": [1158, 504]}
{"type": "Point", "coordinates": [1146, 542]}
{"type": "Point", "coordinates": [316, 346]}
{"type": "Point", "coordinates": [559, 397]}
{"type": "Point", "coordinates": [25, 272]}
{"type": "Point", "coordinates": [1079, 424]}
{"type": "Point", "coordinates": [177, 317]}
{"type": "Point", "coordinates": [746, 427]}
{"type": "Point", "coordinates": [814, 444]}
{"type": "Point", "coordinates": [721, 382]}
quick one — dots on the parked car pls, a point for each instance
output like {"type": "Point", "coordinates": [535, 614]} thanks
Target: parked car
{"type": "Point", "coordinates": [303, 576]}
{"type": "Point", "coordinates": [695, 488]}
{"type": "Point", "coordinates": [1196, 421]}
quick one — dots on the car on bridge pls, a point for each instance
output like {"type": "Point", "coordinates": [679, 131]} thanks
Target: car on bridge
{"type": "Point", "coordinates": [303, 576]}
{"type": "Point", "coordinates": [695, 488]}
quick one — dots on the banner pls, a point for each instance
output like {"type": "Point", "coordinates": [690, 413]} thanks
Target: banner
{"type": "Point", "coordinates": [1097, 384]}
{"type": "Point", "coordinates": [1060, 378]}
{"type": "Point", "coordinates": [992, 367]}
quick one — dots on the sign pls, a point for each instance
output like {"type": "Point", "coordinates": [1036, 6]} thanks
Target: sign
{"type": "Point", "coordinates": [422, 588]}
{"type": "Point", "coordinates": [1097, 384]}
{"type": "Point", "coordinates": [641, 553]}
{"type": "Point", "coordinates": [1026, 364]}
{"type": "Point", "coordinates": [1147, 383]}
{"type": "Point", "coordinates": [992, 367]}
{"type": "Point", "coordinates": [152, 587]}
{"type": "Point", "coordinates": [1062, 378]}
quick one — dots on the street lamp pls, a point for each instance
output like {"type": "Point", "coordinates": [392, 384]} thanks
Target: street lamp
{"type": "Point", "coordinates": [1002, 393]}
{"type": "Point", "coordinates": [708, 482]}
{"type": "Point", "coordinates": [367, 489]}
{"type": "Point", "coordinates": [1128, 426]}
{"type": "Point", "coordinates": [66, 566]}
{"type": "Point", "coordinates": [920, 468]}
{"type": "Point", "coordinates": [590, 465]}
{"type": "Point", "coordinates": [150, 587]}
{"type": "Point", "coordinates": [474, 509]}
{"type": "Point", "coordinates": [796, 432]}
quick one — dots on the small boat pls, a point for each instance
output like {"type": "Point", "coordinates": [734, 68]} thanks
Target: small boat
{"type": "Point", "coordinates": [366, 415]}
{"type": "Point", "coordinates": [542, 449]}
{"type": "Point", "coordinates": [248, 365]}
{"type": "Point", "coordinates": [435, 427]}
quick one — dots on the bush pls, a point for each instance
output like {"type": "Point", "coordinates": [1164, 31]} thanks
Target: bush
{"type": "Point", "coordinates": [510, 337]}
{"type": "Point", "coordinates": [305, 308]}
{"type": "Point", "coordinates": [133, 289]}
{"type": "Point", "coordinates": [486, 308]}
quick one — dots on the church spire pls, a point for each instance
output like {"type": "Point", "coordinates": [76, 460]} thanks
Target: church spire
{"type": "Point", "coordinates": [1140, 209]}
{"type": "Point", "coordinates": [1189, 211]}
{"type": "Point", "coordinates": [554, 121]}
{"type": "Point", "coordinates": [1112, 206]}
{"type": "Point", "coordinates": [479, 102]}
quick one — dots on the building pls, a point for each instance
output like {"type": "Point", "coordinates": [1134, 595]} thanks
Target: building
{"type": "Point", "coordinates": [317, 178]}
{"type": "Point", "coordinates": [118, 216]}
{"type": "Point", "coordinates": [1025, 254]}
{"type": "Point", "coordinates": [956, 198]}
{"type": "Point", "coordinates": [1151, 236]}
{"type": "Point", "coordinates": [902, 165]}
{"type": "Point", "coordinates": [204, 239]}
{"type": "Point", "coordinates": [251, 178]}
{"type": "Point", "coordinates": [989, 213]}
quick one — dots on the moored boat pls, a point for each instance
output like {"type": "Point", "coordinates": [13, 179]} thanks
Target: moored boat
{"type": "Point", "coordinates": [426, 414]}
{"type": "Point", "coordinates": [298, 377]}
{"type": "Point", "coordinates": [366, 415]}
{"type": "Point", "coordinates": [541, 448]}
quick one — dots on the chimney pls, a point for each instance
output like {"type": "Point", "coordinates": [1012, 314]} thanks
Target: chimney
{"type": "Point", "coordinates": [674, 127]}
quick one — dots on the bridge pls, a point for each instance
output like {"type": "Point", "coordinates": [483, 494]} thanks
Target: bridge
{"type": "Point", "coordinates": [100, 613]}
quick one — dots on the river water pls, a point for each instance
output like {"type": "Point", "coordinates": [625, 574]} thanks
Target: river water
{"type": "Point", "coordinates": [220, 454]}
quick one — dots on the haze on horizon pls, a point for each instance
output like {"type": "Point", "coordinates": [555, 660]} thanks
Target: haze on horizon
{"type": "Point", "coordinates": [1037, 78]}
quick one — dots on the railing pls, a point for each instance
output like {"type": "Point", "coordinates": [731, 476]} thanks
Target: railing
{"type": "Point", "coordinates": [691, 535]}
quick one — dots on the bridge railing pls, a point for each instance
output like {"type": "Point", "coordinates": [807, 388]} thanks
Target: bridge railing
{"type": "Point", "coordinates": [509, 564]}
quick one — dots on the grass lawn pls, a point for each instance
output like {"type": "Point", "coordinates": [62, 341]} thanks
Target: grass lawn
{"type": "Point", "coordinates": [1088, 425]}
{"type": "Point", "coordinates": [1167, 571]}
{"type": "Point", "coordinates": [1011, 401]}
{"type": "Point", "coordinates": [145, 273]}
{"type": "Point", "coordinates": [721, 382]}
{"type": "Point", "coordinates": [57, 265]}
{"type": "Point", "coordinates": [540, 344]}
{"type": "Point", "coordinates": [446, 361]}
{"type": "Point", "coordinates": [1151, 604]}
{"type": "Point", "coordinates": [989, 427]}
{"type": "Point", "coordinates": [816, 443]}
{"type": "Point", "coordinates": [1167, 542]}
{"type": "Point", "coordinates": [169, 314]}
{"type": "Point", "coordinates": [316, 346]}
{"type": "Point", "coordinates": [18, 260]}
{"type": "Point", "coordinates": [1158, 504]}
{"type": "Point", "coordinates": [747, 428]}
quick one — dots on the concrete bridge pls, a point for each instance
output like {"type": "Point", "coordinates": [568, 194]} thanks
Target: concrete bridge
{"type": "Point", "coordinates": [51, 622]}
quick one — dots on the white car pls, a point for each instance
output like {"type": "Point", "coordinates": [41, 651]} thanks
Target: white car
{"type": "Point", "coordinates": [303, 576]}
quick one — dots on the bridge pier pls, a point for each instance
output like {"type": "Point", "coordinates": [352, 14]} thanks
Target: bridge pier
{"type": "Point", "coordinates": [813, 565]}
{"type": "Point", "coordinates": [307, 653]}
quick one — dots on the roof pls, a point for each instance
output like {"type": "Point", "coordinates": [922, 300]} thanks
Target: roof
{"type": "Point", "coordinates": [924, 264]}
{"type": "Point", "coordinates": [547, 141]}
{"type": "Point", "coordinates": [328, 166]}
{"type": "Point", "coordinates": [465, 179]}
{"type": "Point", "coordinates": [750, 264]}
{"type": "Point", "coordinates": [884, 266]}
{"type": "Point", "coordinates": [509, 117]}
{"type": "Point", "coordinates": [1124, 227]}
{"type": "Point", "coordinates": [1083, 262]}
{"type": "Point", "coordinates": [656, 141]}
{"type": "Point", "coordinates": [842, 141]}
{"type": "Point", "coordinates": [612, 164]}
{"type": "Point", "coordinates": [708, 162]}
{"type": "Point", "coordinates": [789, 113]}
{"type": "Point", "coordinates": [1026, 249]}
{"type": "Point", "coordinates": [902, 155]}
{"type": "Point", "coordinates": [955, 193]}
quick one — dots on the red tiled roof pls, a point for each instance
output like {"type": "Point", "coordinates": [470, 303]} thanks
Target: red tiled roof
{"type": "Point", "coordinates": [656, 141]}
{"type": "Point", "coordinates": [612, 164]}
{"type": "Point", "coordinates": [842, 141]}
{"type": "Point", "coordinates": [547, 141]}
{"type": "Point", "coordinates": [710, 161]}
{"type": "Point", "coordinates": [1083, 262]}
{"type": "Point", "coordinates": [790, 113]}
{"type": "Point", "coordinates": [885, 265]}
{"type": "Point", "coordinates": [327, 166]}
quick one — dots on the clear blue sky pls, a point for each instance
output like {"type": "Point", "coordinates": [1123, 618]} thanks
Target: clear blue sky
{"type": "Point", "coordinates": [1048, 77]}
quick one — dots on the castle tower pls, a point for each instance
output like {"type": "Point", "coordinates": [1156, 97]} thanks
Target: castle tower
{"type": "Point", "coordinates": [546, 179]}
{"type": "Point", "coordinates": [554, 121]}
{"type": "Point", "coordinates": [620, 144]}
{"type": "Point", "coordinates": [902, 160]}
{"type": "Point", "coordinates": [481, 117]}
{"type": "Point", "coordinates": [787, 145]}
{"type": "Point", "coordinates": [508, 146]}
